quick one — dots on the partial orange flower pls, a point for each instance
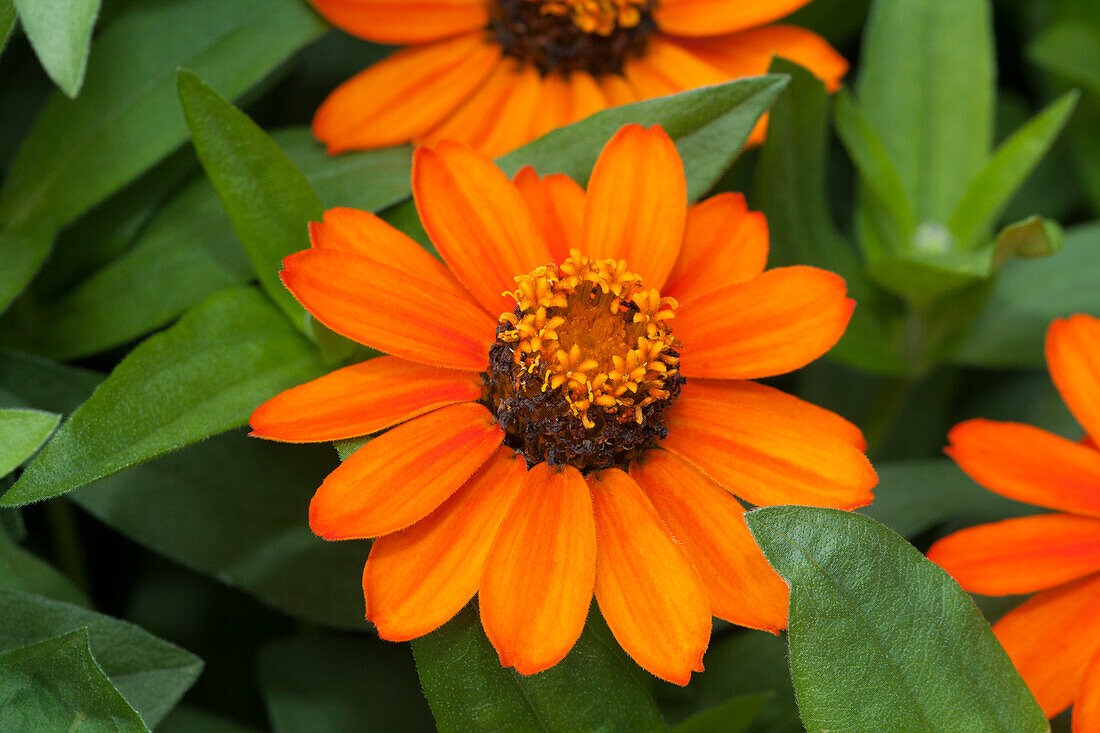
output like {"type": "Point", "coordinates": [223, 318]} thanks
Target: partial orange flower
{"type": "Point", "coordinates": [1054, 636]}
{"type": "Point", "coordinates": [567, 404]}
{"type": "Point", "coordinates": [498, 73]}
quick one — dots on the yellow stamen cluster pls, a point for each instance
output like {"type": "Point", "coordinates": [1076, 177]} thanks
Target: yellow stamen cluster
{"type": "Point", "coordinates": [597, 16]}
{"type": "Point", "coordinates": [591, 329]}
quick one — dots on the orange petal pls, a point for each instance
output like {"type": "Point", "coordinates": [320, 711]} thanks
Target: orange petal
{"type": "Point", "coordinates": [724, 243]}
{"type": "Point", "coordinates": [1073, 357]}
{"type": "Point", "coordinates": [401, 21]}
{"type": "Point", "coordinates": [478, 221]}
{"type": "Point", "coordinates": [586, 96]}
{"type": "Point", "coordinates": [650, 595]}
{"type": "Point", "coordinates": [1021, 555]}
{"type": "Point", "coordinates": [363, 233]}
{"type": "Point", "coordinates": [415, 580]}
{"type": "Point", "coordinates": [710, 524]}
{"type": "Point", "coordinates": [768, 458]}
{"type": "Point", "coordinates": [556, 203]}
{"type": "Point", "coordinates": [404, 474]}
{"type": "Point", "coordinates": [778, 402]}
{"type": "Point", "coordinates": [404, 96]}
{"type": "Point", "coordinates": [498, 116]}
{"type": "Point", "coordinates": [555, 105]}
{"type": "Point", "coordinates": [750, 53]}
{"type": "Point", "coordinates": [617, 90]}
{"type": "Point", "coordinates": [538, 578]}
{"type": "Point", "coordinates": [637, 203]}
{"type": "Point", "coordinates": [711, 17]}
{"type": "Point", "coordinates": [390, 310]}
{"type": "Point", "coordinates": [1028, 464]}
{"type": "Point", "coordinates": [667, 68]}
{"type": "Point", "coordinates": [772, 324]}
{"type": "Point", "coordinates": [1086, 706]}
{"type": "Point", "coordinates": [1051, 638]}
{"type": "Point", "coordinates": [361, 399]}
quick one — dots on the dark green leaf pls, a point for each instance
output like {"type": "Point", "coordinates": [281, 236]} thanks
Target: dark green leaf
{"type": "Point", "coordinates": [29, 381]}
{"type": "Point", "coordinates": [60, 32]}
{"type": "Point", "coordinates": [22, 432]}
{"type": "Point", "coordinates": [56, 685]}
{"type": "Point", "coordinates": [21, 252]}
{"type": "Point", "coordinates": [732, 716]}
{"type": "Point", "coordinates": [201, 377]}
{"type": "Point", "coordinates": [7, 22]}
{"type": "Point", "coordinates": [150, 673]}
{"type": "Point", "coordinates": [1072, 50]}
{"type": "Point", "coordinates": [330, 684]}
{"type": "Point", "coordinates": [269, 201]}
{"type": "Point", "coordinates": [596, 687]}
{"type": "Point", "coordinates": [1032, 237]}
{"type": "Point", "coordinates": [880, 637]}
{"type": "Point", "coordinates": [24, 571]}
{"type": "Point", "coordinates": [186, 719]}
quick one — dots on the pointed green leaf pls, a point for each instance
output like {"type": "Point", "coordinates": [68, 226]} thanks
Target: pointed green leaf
{"type": "Point", "coordinates": [60, 32]}
{"type": "Point", "coordinates": [21, 253]}
{"type": "Point", "coordinates": [22, 432]}
{"type": "Point", "coordinates": [880, 637]}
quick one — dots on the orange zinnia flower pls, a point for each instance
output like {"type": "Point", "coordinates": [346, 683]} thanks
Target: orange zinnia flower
{"type": "Point", "coordinates": [558, 439]}
{"type": "Point", "coordinates": [1054, 636]}
{"type": "Point", "coordinates": [498, 73]}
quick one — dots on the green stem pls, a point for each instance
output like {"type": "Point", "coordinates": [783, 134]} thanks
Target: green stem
{"type": "Point", "coordinates": [66, 543]}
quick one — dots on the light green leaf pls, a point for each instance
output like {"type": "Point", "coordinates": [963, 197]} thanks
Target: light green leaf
{"type": "Point", "coordinates": [7, 22]}
{"type": "Point", "coordinates": [1030, 238]}
{"type": "Point", "coordinates": [594, 688]}
{"type": "Point", "coordinates": [24, 571]}
{"type": "Point", "coordinates": [880, 637]}
{"type": "Point", "coordinates": [269, 201]}
{"type": "Point", "coordinates": [21, 253]}
{"type": "Point", "coordinates": [201, 377]}
{"type": "Point", "coordinates": [150, 673]}
{"type": "Point", "coordinates": [992, 189]}
{"type": "Point", "coordinates": [22, 432]}
{"type": "Point", "coordinates": [1070, 49]}
{"type": "Point", "coordinates": [56, 685]}
{"type": "Point", "coordinates": [732, 716]}
{"type": "Point", "coordinates": [60, 32]}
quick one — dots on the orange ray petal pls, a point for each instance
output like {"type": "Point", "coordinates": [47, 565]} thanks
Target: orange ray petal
{"type": "Point", "coordinates": [1028, 464]}
{"type": "Point", "coordinates": [711, 17]}
{"type": "Point", "coordinates": [363, 233]}
{"type": "Point", "coordinates": [404, 474]}
{"type": "Point", "coordinates": [389, 310]}
{"type": "Point", "coordinates": [667, 68]}
{"type": "Point", "coordinates": [1073, 357]}
{"type": "Point", "coordinates": [770, 399]}
{"type": "Point", "coordinates": [555, 106]}
{"type": "Point", "coordinates": [749, 53]}
{"type": "Point", "coordinates": [637, 203]}
{"type": "Point", "coordinates": [478, 221]}
{"type": "Point", "coordinates": [768, 458]}
{"type": "Point", "coordinates": [404, 96]}
{"type": "Point", "coordinates": [617, 90]}
{"type": "Point", "coordinates": [1051, 638]}
{"type": "Point", "coordinates": [650, 595]}
{"type": "Point", "coordinates": [1021, 555]}
{"type": "Point", "coordinates": [556, 203]}
{"type": "Point", "coordinates": [416, 579]}
{"type": "Point", "coordinates": [1086, 706]}
{"type": "Point", "coordinates": [538, 578]}
{"type": "Point", "coordinates": [361, 399]}
{"type": "Point", "coordinates": [587, 98]}
{"type": "Point", "coordinates": [772, 324]}
{"type": "Point", "coordinates": [401, 21]}
{"type": "Point", "coordinates": [724, 243]}
{"type": "Point", "coordinates": [710, 524]}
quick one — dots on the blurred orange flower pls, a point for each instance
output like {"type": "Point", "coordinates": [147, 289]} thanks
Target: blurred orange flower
{"type": "Point", "coordinates": [498, 73]}
{"type": "Point", "coordinates": [1054, 636]}
{"type": "Point", "coordinates": [584, 432]}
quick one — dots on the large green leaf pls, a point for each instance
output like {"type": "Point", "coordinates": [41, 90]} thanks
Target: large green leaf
{"type": "Point", "coordinates": [236, 508]}
{"type": "Point", "coordinates": [330, 684]}
{"type": "Point", "coordinates": [269, 201]}
{"type": "Point", "coordinates": [22, 432]}
{"type": "Point", "coordinates": [7, 22]}
{"type": "Point", "coordinates": [880, 637]}
{"type": "Point", "coordinates": [149, 672]}
{"type": "Point", "coordinates": [60, 32]}
{"type": "Point", "coordinates": [56, 685]}
{"type": "Point", "coordinates": [21, 252]}
{"type": "Point", "coordinates": [24, 571]}
{"type": "Point", "coordinates": [201, 377]}
{"type": "Point", "coordinates": [596, 687]}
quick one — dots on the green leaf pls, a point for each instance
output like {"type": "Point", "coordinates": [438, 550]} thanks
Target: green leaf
{"type": "Point", "coordinates": [236, 508]}
{"type": "Point", "coordinates": [1070, 49]}
{"type": "Point", "coordinates": [150, 673]}
{"type": "Point", "coordinates": [30, 381]}
{"type": "Point", "coordinates": [992, 189]}
{"type": "Point", "coordinates": [269, 201]}
{"type": "Point", "coordinates": [56, 685]}
{"type": "Point", "coordinates": [328, 683]}
{"type": "Point", "coordinates": [732, 716]}
{"type": "Point", "coordinates": [21, 252]}
{"type": "Point", "coordinates": [1030, 238]}
{"type": "Point", "coordinates": [186, 719]}
{"type": "Point", "coordinates": [1026, 296]}
{"type": "Point", "coordinates": [201, 377]}
{"type": "Point", "coordinates": [880, 637]}
{"type": "Point", "coordinates": [596, 687]}
{"type": "Point", "coordinates": [926, 87]}
{"type": "Point", "coordinates": [22, 432]}
{"type": "Point", "coordinates": [24, 571]}
{"type": "Point", "coordinates": [7, 22]}
{"type": "Point", "coordinates": [60, 32]}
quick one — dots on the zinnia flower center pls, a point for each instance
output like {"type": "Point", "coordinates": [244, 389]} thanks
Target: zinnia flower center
{"type": "Point", "coordinates": [594, 36]}
{"type": "Point", "coordinates": [583, 368]}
